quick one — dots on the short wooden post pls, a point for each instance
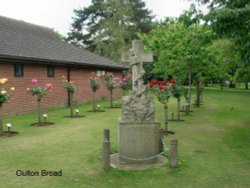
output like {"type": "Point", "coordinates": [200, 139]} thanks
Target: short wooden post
{"type": "Point", "coordinates": [106, 149]}
{"type": "Point", "coordinates": [174, 153]}
{"type": "Point", "coordinates": [161, 135]}
{"type": "Point", "coordinates": [106, 135]}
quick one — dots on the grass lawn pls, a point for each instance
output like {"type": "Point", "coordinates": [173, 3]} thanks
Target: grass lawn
{"type": "Point", "coordinates": [214, 148]}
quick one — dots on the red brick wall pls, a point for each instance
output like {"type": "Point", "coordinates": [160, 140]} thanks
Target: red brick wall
{"type": "Point", "coordinates": [23, 102]}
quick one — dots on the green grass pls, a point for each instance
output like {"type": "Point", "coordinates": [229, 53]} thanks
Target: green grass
{"type": "Point", "coordinates": [214, 148]}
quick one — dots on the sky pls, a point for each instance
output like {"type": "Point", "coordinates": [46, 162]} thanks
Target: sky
{"type": "Point", "coordinates": [57, 14]}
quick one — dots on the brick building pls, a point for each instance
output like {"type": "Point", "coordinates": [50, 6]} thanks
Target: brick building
{"type": "Point", "coordinates": [29, 51]}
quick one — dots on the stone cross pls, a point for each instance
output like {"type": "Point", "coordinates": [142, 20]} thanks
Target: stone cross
{"type": "Point", "coordinates": [136, 57]}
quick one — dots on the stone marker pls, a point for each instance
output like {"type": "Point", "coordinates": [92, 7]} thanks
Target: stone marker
{"type": "Point", "coordinates": [174, 153]}
{"type": "Point", "coordinates": [138, 130]}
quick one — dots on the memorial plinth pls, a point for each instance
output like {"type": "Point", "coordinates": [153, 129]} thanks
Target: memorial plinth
{"type": "Point", "coordinates": [138, 131]}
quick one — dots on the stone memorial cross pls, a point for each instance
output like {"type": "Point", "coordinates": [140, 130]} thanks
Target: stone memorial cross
{"type": "Point", "coordinates": [135, 57]}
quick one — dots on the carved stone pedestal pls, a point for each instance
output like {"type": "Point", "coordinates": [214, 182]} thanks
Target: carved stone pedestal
{"type": "Point", "coordinates": [138, 142]}
{"type": "Point", "coordinates": [138, 131]}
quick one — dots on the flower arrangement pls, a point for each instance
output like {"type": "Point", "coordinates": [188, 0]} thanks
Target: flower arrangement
{"type": "Point", "coordinates": [94, 83]}
{"type": "Point", "coordinates": [40, 92]}
{"type": "Point", "coordinates": [71, 88]}
{"type": "Point", "coordinates": [163, 90]}
{"type": "Point", "coordinates": [125, 83]}
{"type": "Point", "coordinates": [5, 96]}
{"type": "Point", "coordinates": [111, 83]}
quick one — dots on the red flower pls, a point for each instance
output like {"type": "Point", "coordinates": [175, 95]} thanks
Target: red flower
{"type": "Point", "coordinates": [97, 78]}
{"type": "Point", "coordinates": [34, 81]}
{"type": "Point", "coordinates": [154, 82]}
{"type": "Point", "coordinates": [160, 87]}
{"type": "Point", "coordinates": [159, 82]}
{"type": "Point", "coordinates": [48, 86]}
{"type": "Point", "coordinates": [172, 81]}
{"type": "Point", "coordinates": [165, 88]}
{"type": "Point", "coordinates": [164, 82]}
{"type": "Point", "coordinates": [150, 85]}
{"type": "Point", "coordinates": [116, 79]}
{"type": "Point", "coordinates": [173, 84]}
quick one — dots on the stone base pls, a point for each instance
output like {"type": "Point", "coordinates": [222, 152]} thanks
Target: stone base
{"type": "Point", "coordinates": [138, 142]}
{"type": "Point", "coordinates": [115, 163]}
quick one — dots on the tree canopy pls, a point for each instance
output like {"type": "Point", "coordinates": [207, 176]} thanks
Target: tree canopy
{"type": "Point", "coordinates": [108, 26]}
{"type": "Point", "coordinates": [231, 19]}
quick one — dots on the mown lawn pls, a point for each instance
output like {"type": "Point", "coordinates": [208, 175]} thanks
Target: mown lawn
{"type": "Point", "coordinates": [214, 148]}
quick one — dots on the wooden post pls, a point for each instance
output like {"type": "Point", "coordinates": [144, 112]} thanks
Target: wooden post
{"type": "Point", "coordinates": [178, 110]}
{"type": "Point", "coordinates": [94, 102]}
{"type": "Point", "coordinates": [174, 153]}
{"type": "Point", "coordinates": [106, 135]}
{"type": "Point", "coordinates": [39, 110]}
{"type": "Point", "coordinates": [161, 135]}
{"type": "Point", "coordinates": [111, 98]}
{"type": "Point", "coordinates": [166, 118]}
{"type": "Point", "coordinates": [106, 150]}
{"type": "Point", "coordinates": [71, 105]}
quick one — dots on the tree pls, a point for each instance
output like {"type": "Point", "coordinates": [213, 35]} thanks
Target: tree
{"type": "Point", "coordinates": [111, 83]}
{"type": "Point", "coordinates": [4, 97]}
{"type": "Point", "coordinates": [108, 26]}
{"type": "Point", "coordinates": [231, 19]}
{"type": "Point", "coordinates": [39, 92]}
{"type": "Point", "coordinates": [180, 51]}
{"type": "Point", "coordinates": [243, 75]}
{"type": "Point", "coordinates": [71, 88]}
{"type": "Point", "coordinates": [94, 85]}
{"type": "Point", "coordinates": [225, 57]}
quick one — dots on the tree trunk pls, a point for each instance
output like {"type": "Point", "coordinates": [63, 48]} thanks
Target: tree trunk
{"type": "Point", "coordinates": [189, 90]}
{"type": "Point", "coordinates": [186, 106]}
{"type": "Point", "coordinates": [39, 113]}
{"type": "Point", "coordinates": [94, 102]}
{"type": "Point", "coordinates": [166, 118]}
{"type": "Point", "coordinates": [178, 109]}
{"type": "Point", "coordinates": [206, 84]}
{"type": "Point", "coordinates": [231, 84]}
{"type": "Point", "coordinates": [71, 105]}
{"type": "Point", "coordinates": [201, 93]}
{"type": "Point", "coordinates": [246, 85]}
{"type": "Point", "coordinates": [221, 84]}
{"type": "Point", "coordinates": [111, 98]}
{"type": "Point", "coordinates": [1, 118]}
{"type": "Point", "coordinates": [197, 94]}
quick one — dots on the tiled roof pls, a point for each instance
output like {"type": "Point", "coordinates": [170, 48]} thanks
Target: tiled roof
{"type": "Point", "coordinates": [24, 41]}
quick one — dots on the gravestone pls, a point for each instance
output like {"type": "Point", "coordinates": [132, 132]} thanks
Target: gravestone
{"type": "Point", "coordinates": [138, 130]}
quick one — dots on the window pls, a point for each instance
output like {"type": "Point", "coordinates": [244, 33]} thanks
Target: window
{"type": "Point", "coordinates": [50, 71]}
{"type": "Point", "coordinates": [100, 73]}
{"type": "Point", "coordinates": [18, 70]}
